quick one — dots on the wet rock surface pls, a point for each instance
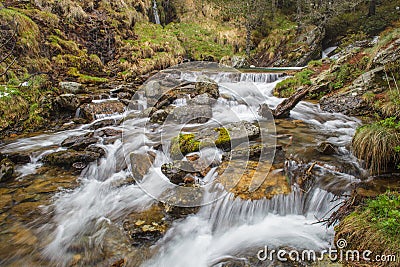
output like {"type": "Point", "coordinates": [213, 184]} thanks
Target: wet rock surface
{"type": "Point", "coordinates": [90, 110]}
{"type": "Point", "coordinates": [141, 163]}
{"type": "Point", "coordinates": [225, 138]}
{"type": "Point", "coordinates": [192, 114]}
{"type": "Point", "coordinates": [68, 101]}
{"type": "Point", "coordinates": [67, 158]}
{"type": "Point", "coordinates": [79, 142]}
{"type": "Point", "coordinates": [72, 87]}
{"type": "Point", "coordinates": [6, 170]}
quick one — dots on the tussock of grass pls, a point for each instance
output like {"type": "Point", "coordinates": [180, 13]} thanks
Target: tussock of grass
{"type": "Point", "coordinates": [390, 105]}
{"type": "Point", "coordinates": [375, 144]}
{"type": "Point", "coordinates": [375, 226]}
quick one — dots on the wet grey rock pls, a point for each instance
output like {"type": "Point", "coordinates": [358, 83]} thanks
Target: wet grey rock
{"type": "Point", "coordinates": [103, 123]}
{"type": "Point", "coordinates": [109, 132]}
{"type": "Point", "coordinates": [207, 86]}
{"type": "Point", "coordinates": [255, 152]}
{"type": "Point", "coordinates": [68, 157]}
{"type": "Point", "coordinates": [6, 170]}
{"type": "Point", "coordinates": [202, 99]}
{"type": "Point", "coordinates": [96, 149]}
{"type": "Point", "coordinates": [161, 115]}
{"type": "Point", "coordinates": [17, 157]}
{"type": "Point", "coordinates": [153, 89]}
{"type": "Point", "coordinates": [327, 148]}
{"type": "Point", "coordinates": [79, 142]}
{"type": "Point", "coordinates": [178, 171]}
{"type": "Point", "coordinates": [90, 110]}
{"type": "Point", "coordinates": [72, 87]}
{"type": "Point", "coordinates": [192, 114]}
{"type": "Point", "coordinates": [141, 163]}
{"type": "Point", "coordinates": [68, 101]}
{"type": "Point", "coordinates": [84, 98]}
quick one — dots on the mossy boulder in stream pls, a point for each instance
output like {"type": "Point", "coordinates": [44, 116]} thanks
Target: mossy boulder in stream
{"type": "Point", "coordinates": [225, 138]}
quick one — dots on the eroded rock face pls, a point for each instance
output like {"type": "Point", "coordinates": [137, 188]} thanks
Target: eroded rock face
{"type": "Point", "coordinates": [388, 55]}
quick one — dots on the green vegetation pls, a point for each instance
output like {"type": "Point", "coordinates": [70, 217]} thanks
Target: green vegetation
{"type": "Point", "coordinates": [183, 144]}
{"type": "Point", "coordinates": [375, 144]}
{"type": "Point", "coordinates": [187, 143]}
{"type": "Point", "coordinates": [289, 86]}
{"type": "Point", "coordinates": [224, 139]}
{"type": "Point", "coordinates": [384, 213]}
{"type": "Point", "coordinates": [374, 226]}
{"type": "Point", "coordinates": [28, 30]}
{"type": "Point", "coordinates": [202, 43]}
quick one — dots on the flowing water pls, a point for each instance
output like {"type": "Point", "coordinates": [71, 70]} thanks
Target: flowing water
{"type": "Point", "coordinates": [155, 12]}
{"type": "Point", "coordinates": [83, 225]}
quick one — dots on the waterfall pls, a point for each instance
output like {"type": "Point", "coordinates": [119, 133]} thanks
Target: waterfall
{"type": "Point", "coordinates": [155, 12]}
{"type": "Point", "coordinates": [227, 228]}
{"type": "Point", "coordinates": [232, 77]}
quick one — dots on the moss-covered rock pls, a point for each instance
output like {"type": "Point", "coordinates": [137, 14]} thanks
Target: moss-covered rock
{"type": "Point", "coordinates": [225, 138]}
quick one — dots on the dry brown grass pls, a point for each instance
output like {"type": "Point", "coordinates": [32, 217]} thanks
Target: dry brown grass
{"type": "Point", "coordinates": [375, 144]}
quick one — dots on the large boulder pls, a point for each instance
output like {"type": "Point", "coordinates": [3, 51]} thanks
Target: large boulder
{"type": "Point", "coordinates": [68, 158]}
{"type": "Point", "coordinates": [79, 142]}
{"type": "Point", "coordinates": [68, 101]}
{"type": "Point", "coordinates": [390, 54]}
{"type": "Point", "coordinates": [192, 114]}
{"type": "Point", "coordinates": [6, 170]}
{"type": "Point", "coordinates": [203, 99]}
{"type": "Point", "coordinates": [207, 86]}
{"type": "Point", "coordinates": [90, 110]}
{"type": "Point", "coordinates": [72, 87]}
{"type": "Point", "coordinates": [225, 138]}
